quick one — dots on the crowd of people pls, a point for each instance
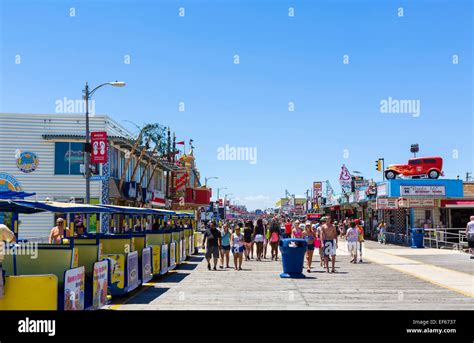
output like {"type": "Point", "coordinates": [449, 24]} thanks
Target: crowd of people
{"type": "Point", "coordinates": [253, 239]}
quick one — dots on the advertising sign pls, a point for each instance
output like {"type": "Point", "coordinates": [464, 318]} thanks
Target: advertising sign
{"type": "Point", "coordinates": [117, 268]}
{"type": "Point", "coordinates": [146, 265]}
{"type": "Point", "coordinates": [422, 190]}
{"type": "Point", "coordinates": [164, 259]}
{"type": "Point", "coordinates": [27, 162]}
{"type": "Point", "coordinates": [9, 183]}
{"type": "Point", "coordinates": [99, 284]}
{"type": "Point", "coordinates": [132, 270]}
{"type": "Point", "coordinates": [74, 289]}
{"type": "Point", "coordinates": [387, 203]}
{"type": "Point", "coordinates": [183, 250]}
{"type": "Point", "coordinates": [172, 255]}
{"type": "Point", "coordinates": [99, 147]}
{"type": "Point", "coordinates": [156, 258]}
{"type": "Point", "coordinates": [317, 189]}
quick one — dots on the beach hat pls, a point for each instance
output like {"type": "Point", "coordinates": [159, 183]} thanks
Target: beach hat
{"type": "Point", "coordinates": [301, 226]}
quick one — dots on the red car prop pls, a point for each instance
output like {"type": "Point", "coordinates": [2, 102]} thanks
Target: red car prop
{"type": "Point", "coordinates": [430, 167]}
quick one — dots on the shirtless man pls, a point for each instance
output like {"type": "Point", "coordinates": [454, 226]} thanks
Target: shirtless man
{"type": "Point", "coordinates": [57, 232]}
{"type": "Point", "coordinates": [329, 241]}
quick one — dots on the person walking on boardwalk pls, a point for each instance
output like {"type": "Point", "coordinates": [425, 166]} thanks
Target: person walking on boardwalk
{"type": "Point", "coordinates": [298, 231]}
{"type": "Point", "coordinates": [274, 238]}
{"type": "Point", "coordinates": [329, 239]}
{"type": "Point", "coordinates": [470, 236]}
{"type": "Point", "coordinates": [267, 238]}
{"type": "Point", "coordinates": [237, 242]}
{"type": "Point", "coordinates": [288, 228]}
{"type": "Point", "coordinates": [225, 246]}
{"type": "Point", "coordinates": [361, 238]}
{"type": "Point", "coordinates": [309, 235]}
{"type": "Point", "coordinates": [212, 237]}
{"type": "Point", "coordinates": [352, 236]}
{"type": "Point", "coordinates": [382, 228]}
{"type": "Point", "coordinates": [258, 237]}
{"type": "Point", "coordinates": [248, 233]}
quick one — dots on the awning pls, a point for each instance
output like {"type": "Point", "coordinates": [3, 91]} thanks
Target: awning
{"type": "Point", "coordinates": [63, 207]}
{"type": "Point", "coordinates": [137, 210]}
{"type": "Point", "coordinates": [457, 203]}
{"type": "Point", "coordinates": [11, 206]}
{"type": "Point", "coordinates": [14, 194]}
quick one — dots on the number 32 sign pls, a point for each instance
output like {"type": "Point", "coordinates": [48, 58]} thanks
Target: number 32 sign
{"type": "Point", "coordinates": [99, 147]}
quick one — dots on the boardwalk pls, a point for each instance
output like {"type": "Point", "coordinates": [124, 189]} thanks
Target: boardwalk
{"type": "Point", "coordinates": [391, 278]}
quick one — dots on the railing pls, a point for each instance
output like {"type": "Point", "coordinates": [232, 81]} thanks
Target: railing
{"type": "Point", "coordinates": [452, 238]}
{"type": "Point", "coordinates": [37, 239]}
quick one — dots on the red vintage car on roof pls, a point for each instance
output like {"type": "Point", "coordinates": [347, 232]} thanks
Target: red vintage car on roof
{"type": "Point", "coordinates": [431, 167]}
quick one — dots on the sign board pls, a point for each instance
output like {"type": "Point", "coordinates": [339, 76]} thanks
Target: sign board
{"type": "Point", "coordinates": [27, 161]}
{"type": "Point", "coordinates": [387, 203]}
{"type": "Point", "coordinates": [98, 178]}
{"type": "Point", "coordinates": [74, 289]}
{"type": "Point", "coordinates": [132, 270]}
{"type": "Point", "coordinates": [317, 189]}
{"type": "Point", "coordinates": [100, 284]}
{"type": "Point", "coordinates": [99, 147]}
{"type": "Point", "coordinates": [382, 189]}
{"type": "Point", "coordinates": [156, 258]}
{"type": "Point", "coordinates": [421, 203]}
{"type": "Point", "coordinates": [146, 265]}
{"type": "Point", "coordinates": [164, 259]}
{"type": "Point", "coordinates": [422, 190]}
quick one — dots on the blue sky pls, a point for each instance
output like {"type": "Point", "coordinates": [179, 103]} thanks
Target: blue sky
{"type": "Point", "coordinates": [283, 59]}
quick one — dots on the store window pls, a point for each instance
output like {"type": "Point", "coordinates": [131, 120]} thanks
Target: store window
{"type": "Point", "coordinates": [68, 158]}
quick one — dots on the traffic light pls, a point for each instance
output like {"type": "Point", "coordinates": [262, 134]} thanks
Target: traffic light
{"type": "Point", "coordinates": [378, 164]}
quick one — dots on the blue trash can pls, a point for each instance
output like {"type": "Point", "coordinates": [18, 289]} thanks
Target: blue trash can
{"type": "Point", "coordinates": [417, 237]}
{"type": "Point", "coordinates": [292, 255]}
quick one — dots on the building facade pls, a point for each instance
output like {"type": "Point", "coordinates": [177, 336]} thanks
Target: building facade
{"type": "Point", "coordinates": [44, 154]}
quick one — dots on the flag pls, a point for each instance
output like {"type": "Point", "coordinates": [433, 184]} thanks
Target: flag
{"type": "Point", "coordinates": [180, 143]}
{"type": "Point", "coordinates": [345, 177]}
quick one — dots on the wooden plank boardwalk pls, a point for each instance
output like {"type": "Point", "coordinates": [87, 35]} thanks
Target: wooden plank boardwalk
{"type": "Point", "coordinates": [372, 285]}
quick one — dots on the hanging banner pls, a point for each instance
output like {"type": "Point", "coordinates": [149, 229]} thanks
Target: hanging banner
{"type": "Point", "coordinates": [345, 177]}
{"type": "Point", "coordinates": [99, 285]}
{"type": "Point", "coordinates": [99, 147]}
{"type": "Point", "coordinates": [156, 259]}
{"type": "Point", "coordinates": [74, 289]}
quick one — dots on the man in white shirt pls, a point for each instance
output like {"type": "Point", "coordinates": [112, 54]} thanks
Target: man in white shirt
{"type": "Point", "coordinates": [352, 237]}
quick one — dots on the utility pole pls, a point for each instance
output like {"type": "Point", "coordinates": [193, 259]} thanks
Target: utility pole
{"type": "Point", "coordinates": [169, 160]}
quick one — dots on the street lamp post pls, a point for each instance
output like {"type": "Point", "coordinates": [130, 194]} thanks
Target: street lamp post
{"type": "Point", "coordinates": [209, 178]}
{"type": "Point", "coordinates": [87, 95]}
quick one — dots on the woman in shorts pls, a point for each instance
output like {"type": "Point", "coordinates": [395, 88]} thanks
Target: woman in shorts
{"type": "Point", "coordinates": [225, 246]}
{"type": "Point", "coordinates": [248, 233]}
{"type": "Point", "coordinates": [309, 236]}
{"type": "Point", "coordinates": [237, 242]}
{"type": "Point", "coordinates": [274, 238]}
{"type": "Point", "coordinates": [258, 238]}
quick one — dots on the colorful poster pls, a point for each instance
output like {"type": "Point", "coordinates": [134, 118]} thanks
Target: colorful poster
{"type": "Point", "coordinates": [74, 289]}
{"type": "Point", "coordinates": [345, 177]}
{"type": "Point", "coordinates": [146, 265]}
{"type": "Point", "coordinates": [99, 285]}
{"type": "Point", "coordinates": [164, 259]}
{"type": "Point", "coordinates": [132, 270]}
{"type": "Point", "coordinates": [172, 255]}
{"type": "Point", "coordinates": [156, 258]}
{"type": "Point", "coordinates": [117, 270]}
{"type": "Point", "coordinates": [317, 190]}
